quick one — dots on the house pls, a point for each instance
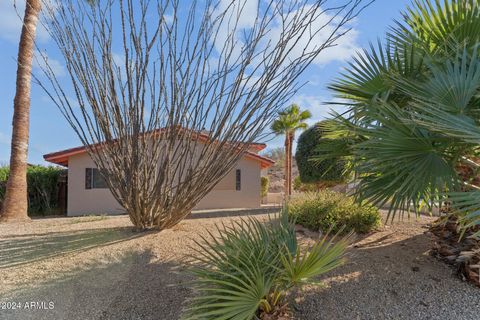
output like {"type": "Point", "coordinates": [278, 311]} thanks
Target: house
{"type": "Point", "coordinates": [87, 192]}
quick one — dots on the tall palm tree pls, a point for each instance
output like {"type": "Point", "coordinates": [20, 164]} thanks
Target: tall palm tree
{"type": "Point", "coordinates": [15, 204]}
{"type": "Point", "coordinates": [290, 120]}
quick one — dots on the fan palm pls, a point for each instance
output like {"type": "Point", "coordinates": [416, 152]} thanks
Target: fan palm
{"type": "Point", "coordinates": [413, 110]}
{"type": "Point", "coordinates": [288, 122]}
{"type": "Point", "coordinates": [247, 272]}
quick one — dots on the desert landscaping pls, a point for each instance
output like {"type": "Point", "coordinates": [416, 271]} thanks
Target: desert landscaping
{"type": "Point", "coordinates": [99, 268]}
{"type": "Point", "coordinates": [239, 159]}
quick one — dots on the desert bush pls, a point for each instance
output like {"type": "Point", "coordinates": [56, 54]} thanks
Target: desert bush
{"type": "Point", "coordinates": [248, 271]}
{"type": "Point", "coordinates": [316, 171]}
{"type": "Point", "coordinates": [300, 186]}
{"type": "Point", "coordinates": [325, 210]}
{"type": "Point", "coordinates": [42, 188]}
{"type": "Point", "coordinates": [264, 186]}
{"type": "Point", "coordinates": [3, 182]}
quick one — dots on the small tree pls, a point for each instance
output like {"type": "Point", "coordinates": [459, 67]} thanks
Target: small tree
{"type": "Point", "coordinates": [290, 120]}
{"type": "Point", "coordinates": [312, 170]}
{"type": "Point", "coordinates": [264, 181]}
{"type": "Point", "coordinates": [170, 94]}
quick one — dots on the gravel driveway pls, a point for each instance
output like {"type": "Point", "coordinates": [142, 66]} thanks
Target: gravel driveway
{"type": "Point", "coordinates": [99, 268]}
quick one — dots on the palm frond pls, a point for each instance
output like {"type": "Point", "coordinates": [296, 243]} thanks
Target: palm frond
{"type": "Point", "coordinates": [324, 256]}
{"type": "Point", "coordinates": [290, 119]}
{"type": "Point", "coordinates": [448, 102]}
{"type": "Point", "coordinates": [401, 164]}
{"type": "Point", "coordinates": [435, 24]}
{"type": "Point", "coordinates": [467, 207]}
{"type": "Point", "coordinates": [236, 270]}
{"type": "Point", "coordinates": [251, 265]}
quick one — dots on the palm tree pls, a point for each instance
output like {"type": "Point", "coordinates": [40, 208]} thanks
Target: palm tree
{"type": "Point", "coordinates": [290, 120]}
{"type": "Point", "coordinates": [15, 204]}
{"type": "Point", "coordinates": [413, 111]}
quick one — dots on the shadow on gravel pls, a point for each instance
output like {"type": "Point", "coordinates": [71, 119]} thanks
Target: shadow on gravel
{"type": "Point", "coordinates": [18, 250]}
{"type": "Point", "coordinates": [133, 287]}
{"type": "Point", "coordinates": [232, 213]}
{"type": "Point", "coordinates": [388, 279]}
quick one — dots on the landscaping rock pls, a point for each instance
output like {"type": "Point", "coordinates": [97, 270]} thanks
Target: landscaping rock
{"type": "Point", "coordinates": [463, 253]}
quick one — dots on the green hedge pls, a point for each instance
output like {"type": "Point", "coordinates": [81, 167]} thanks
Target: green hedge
{"type": "Point", "coordinates": [328, 209]}
{"type": "Point", "coordinates": [42, 188]}
{"type": "Point", "coordinates": [330, 170]}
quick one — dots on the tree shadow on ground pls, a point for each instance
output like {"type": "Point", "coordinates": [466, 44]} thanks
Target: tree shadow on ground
{"type": "Point", "coordinates": [390, 279]}
{"type": "Point", "coordinates": [231, 213]}
{"type": "Point", "coordinates": [18, 250]}
{"type": "Point", "coordinates": [135, 287]}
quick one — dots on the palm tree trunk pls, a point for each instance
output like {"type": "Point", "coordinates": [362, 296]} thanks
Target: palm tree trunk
{"type": "Point", "coordinates": [15, 204]}
{"type": "Point", "coordinates": [290, 160]}
{"type": "Point", "coordinates": [287, 166]}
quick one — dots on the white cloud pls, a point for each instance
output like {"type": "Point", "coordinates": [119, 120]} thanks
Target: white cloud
{"type": "Point", "coordinates": [11, 15]}
{"type": "Point", "coordinates": [247, 10]}
{"type": "Point", "coordinates": [314, 81]}
{"type": "Point", "coordinates": [239, 15]}
{"type": "Point", "coordinates": [42, 61]}
{"type": "Point", "coordinates": [168, 18]}
{"type": "Point", "coordinates": [317, 106]}
{"type": "Point", "coordinates": [344, 47]}
{"type": "Point", "coordinates": [118, 59]}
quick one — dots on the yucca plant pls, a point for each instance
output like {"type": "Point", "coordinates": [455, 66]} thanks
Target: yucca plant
{"type": "Point", "coordinates": [248, 271]}
{"type": "Point", "coordinates": [413, 111]}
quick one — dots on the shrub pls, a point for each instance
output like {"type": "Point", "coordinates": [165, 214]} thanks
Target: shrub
{"type": "Point", "coordinates": [328, 209]}
{"type": "Point", "coordinates": [264, 186]}
{"type": "Point", "coordinates": [42, 189]}
{"type": "Point", "coordinates": [329, 170]}
{"type": "Point", "coordinates": [300, 186]}
{"type": "Point", "coordinates": [248, 271]}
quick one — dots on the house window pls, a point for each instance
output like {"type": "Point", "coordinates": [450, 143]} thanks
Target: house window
{"type": "Point", "coordinates": [94, 180]}
{"type": "Point", "coordinates": [238, 180]}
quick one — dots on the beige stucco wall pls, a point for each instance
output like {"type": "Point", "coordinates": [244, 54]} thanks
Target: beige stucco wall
{"type": "Point", "coordinates": [83, 201]}
{"type": "Point", "coordinates": [247, 197]}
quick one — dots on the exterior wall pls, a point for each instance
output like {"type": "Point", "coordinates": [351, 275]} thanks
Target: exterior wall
{"type": "Point", "coordinates": [83, 201]}
{"type": "Point", "coordinates": [248, 197]}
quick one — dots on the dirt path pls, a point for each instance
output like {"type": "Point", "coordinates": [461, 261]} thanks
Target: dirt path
{"type": "Point", "coordinates": [98, 268]}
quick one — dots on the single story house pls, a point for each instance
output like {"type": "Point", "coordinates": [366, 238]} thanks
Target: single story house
{"type": "Point", "coordinates": [88, 194]}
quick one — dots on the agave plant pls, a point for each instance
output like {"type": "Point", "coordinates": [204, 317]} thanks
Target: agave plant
{"type": "Point", "coordinates": [248, 271]}
{"type": "Point", "coordinates": [413, 111]}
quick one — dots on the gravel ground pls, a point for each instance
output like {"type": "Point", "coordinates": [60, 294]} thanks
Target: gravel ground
{"type": "Point", "coordinates": [100, 268]}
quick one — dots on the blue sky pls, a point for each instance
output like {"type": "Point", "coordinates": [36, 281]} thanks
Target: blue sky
{"type": "Point", "coordinates": [50, 132]}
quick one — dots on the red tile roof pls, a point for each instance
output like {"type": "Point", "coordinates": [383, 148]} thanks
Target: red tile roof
{"type": "Point", "coordinates": [61, 157]}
